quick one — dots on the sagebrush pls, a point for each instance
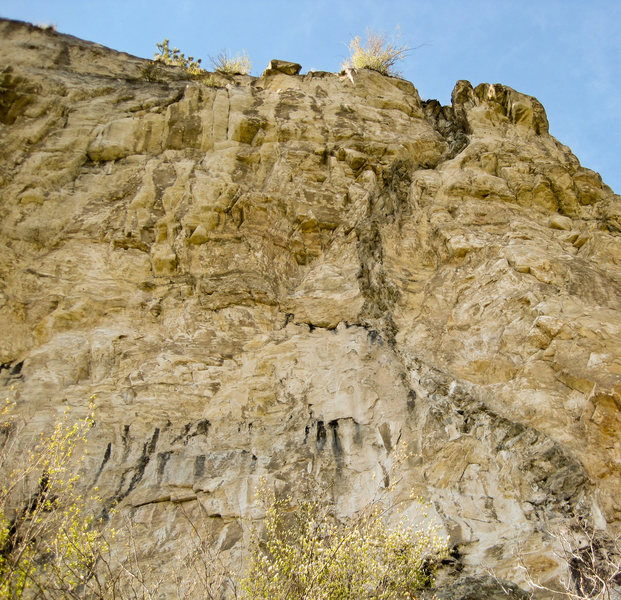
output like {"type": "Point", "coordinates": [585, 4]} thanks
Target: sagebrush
{"type": "Point", "coordinates": [376, 53]}
{"type": "Point", "coordinates": [231, 65]}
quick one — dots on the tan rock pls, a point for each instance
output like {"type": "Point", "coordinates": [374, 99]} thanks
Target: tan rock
{"type": "Point", "coordinates": [199, 235]}
{"type": "Point", "coordinates": [282, 66]}
{"type": "Point", "coordinates": [286, 277]}
{"type": "Point", "coordinates": [560, 222]}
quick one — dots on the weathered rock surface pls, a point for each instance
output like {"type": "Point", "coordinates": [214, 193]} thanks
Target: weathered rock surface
{"type": "Point", "coordinates": [479, 588]}
{"type": "Point", "coordinates": [285, 276]}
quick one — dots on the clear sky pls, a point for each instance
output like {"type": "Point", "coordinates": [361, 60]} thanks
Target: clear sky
{"type": "Point", "coordinates": [567, 53]}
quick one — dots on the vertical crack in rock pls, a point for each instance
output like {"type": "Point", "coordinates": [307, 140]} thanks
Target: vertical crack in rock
{"type": "Point", "coordinates": [337, 448]}
{"type": "Point", "coordinates": [321, 436]}
{"type": "Point", "coordinates": [451, 126]}
{"type": "Point", "coordinates": [104, 460]}
{"type": "Point", "coordinates": [387, 204]}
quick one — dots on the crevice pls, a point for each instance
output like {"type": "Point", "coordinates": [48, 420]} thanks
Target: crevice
{"type": "Point", "coordinates": [379, 292]}
{"type": "Point", "coordinates": [411, 402]}
{"type": "Point", "coordinates": [162, 459]}
{"type": "Point", "coordinates": [199, 466]}
{"type": "Point", "coordinates": [11, 372]}
{"type": "Point", "coordinates": [313, 326]}
{"type": "Point", "coordinates": [453, 128]}
{"type": "Point", "coordinates": [336, 442]}
{"type": "Point", "coordinates": [337, 448]}
{"type": "Point", "coordinates": [201, 428]}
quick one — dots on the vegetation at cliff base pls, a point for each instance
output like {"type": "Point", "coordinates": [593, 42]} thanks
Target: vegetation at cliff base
{"type": "Point", "coordinates": [49, 541]}
{"type": "Point", "coordinates": [52, 547]}
{"type": "Point", "coordinates": [307, 553]}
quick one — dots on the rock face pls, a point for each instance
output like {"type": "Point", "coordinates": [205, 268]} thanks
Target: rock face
{"type": "Point", "coordinates": [285, 276]}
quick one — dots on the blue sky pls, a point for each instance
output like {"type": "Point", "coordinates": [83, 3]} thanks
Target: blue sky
{"type": "Point", "coordinates": [567, 53]}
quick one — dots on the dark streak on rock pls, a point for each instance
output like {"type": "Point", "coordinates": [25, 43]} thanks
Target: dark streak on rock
{"type": "Point", "coordinates": [162, 459]}
{"type": "Point", "coordinates": [321, 436]}
{"type": "Point", "coordinates": [137, 472]}
{"type": "Point", "coordinates": [337, 448]}
{"type": "Point", "coordinates": [199, 466]}
{"type": "Point", "coordinates": [106, 458]}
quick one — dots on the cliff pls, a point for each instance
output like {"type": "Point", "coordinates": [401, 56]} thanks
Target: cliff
{"type": "Point", "coordinates": [283, 277]}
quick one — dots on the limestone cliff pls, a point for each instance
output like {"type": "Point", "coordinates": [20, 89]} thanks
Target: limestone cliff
{"type": "Point", "coordinates": [284, 276]}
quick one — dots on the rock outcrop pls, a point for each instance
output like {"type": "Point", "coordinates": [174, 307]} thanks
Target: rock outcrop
{"type": "Point", "coordinates": [283, 277]}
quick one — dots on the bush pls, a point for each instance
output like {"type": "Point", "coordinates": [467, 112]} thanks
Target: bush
{"type": "Point", "coordinates": [176, 58]}
{"type": "Point", "coordinates": [231, 65]}
{"type": "Point", "coordinates": [591, 558]}
{"type": "Point", "coordinates": [51, 547]}
{"type": "Point", "coordinates": [307, 553]}
{"type": "Point", "coordinates": [49, 542]}
{"type": "Point", "coordinates": [376, 53]}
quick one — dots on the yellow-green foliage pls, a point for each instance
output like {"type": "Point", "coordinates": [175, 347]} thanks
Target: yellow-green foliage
{"type": "Point", "coordinates": [176, 58]}
{"type": "Point", "coordinates": [377, 53]}
{"type": "Point", "coordinates": [52, 548]}
{"type": "Point", "coordinates": [307, 553]}
{"type": "Point", "coordinates": [231, 65]}
{"type": "Point", "coordinates": [48, 540]}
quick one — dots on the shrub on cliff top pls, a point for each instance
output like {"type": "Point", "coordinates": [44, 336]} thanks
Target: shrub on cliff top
{"type": "Point", "coordinates": [377, 53]}
{"type": "Point", "coordinates": [176, 58]}
{"type": "Point", "coordinates": [231, 65]}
